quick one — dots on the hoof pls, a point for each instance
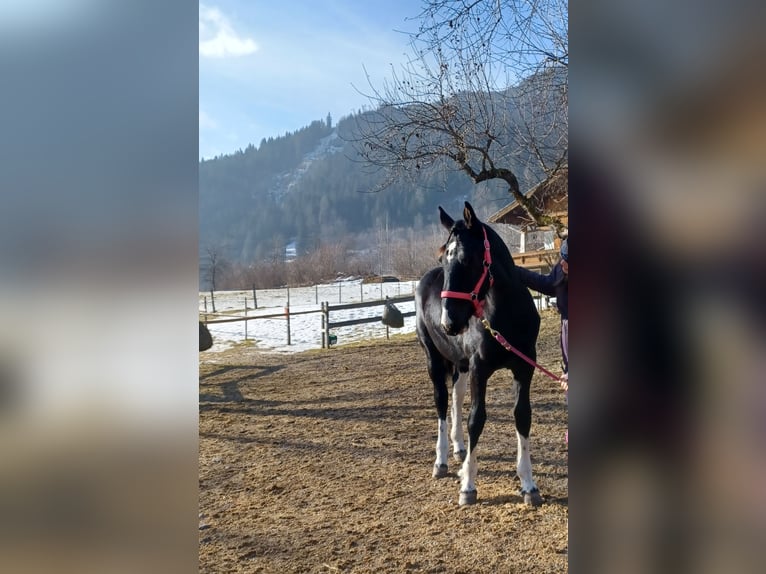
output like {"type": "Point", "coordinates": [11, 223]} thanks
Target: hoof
{"type": "Point", "coordinates": [440, 471]}
{"type": "Point", "coordinates": [460, 455]}
{"type": "Point", "coordinates": [532, 498]}
{"type": "Point", "coordinates": [467, 498]}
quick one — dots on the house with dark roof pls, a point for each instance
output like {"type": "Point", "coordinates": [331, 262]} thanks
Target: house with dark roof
{"type": "Point", "coordinates": [533, 246]}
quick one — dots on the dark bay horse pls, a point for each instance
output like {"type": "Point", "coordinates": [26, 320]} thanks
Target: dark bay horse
{"type": "Point", "coordinates": [476, 281]}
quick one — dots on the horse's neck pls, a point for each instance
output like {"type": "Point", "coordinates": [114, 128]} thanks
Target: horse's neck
{"type": "Point", "coordinates": [504, 286]}
{"type": "Point", "coordinates": [504, 266]}
{"type": "Point", "coordinates": [507, 286]}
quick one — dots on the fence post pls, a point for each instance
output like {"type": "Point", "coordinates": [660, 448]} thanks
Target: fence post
{"type": "Point", "coordinates": [316, 294]}
{"type": "Point", "coordinates": [255, 299]}
{"type": "Point", "coordinates": [245, 318]}
{"type": "Point", "coordinates": [361, 290]}
{"type": "Point", "coordinates": [287, 314]}
{"type": "Point", "coordinates": [340, 286]}
{"type": "Point", "coordinates": [205, 298]}
{"type": "Point", "coordinates": [321, 330]}
{"type": "Point", "coordinates": [325, 325]}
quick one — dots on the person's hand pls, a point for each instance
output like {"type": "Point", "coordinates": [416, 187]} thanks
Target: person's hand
{"type": "Point", "coordinates": [565, 381]}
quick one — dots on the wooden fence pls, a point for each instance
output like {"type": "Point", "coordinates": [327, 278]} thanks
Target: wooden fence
{"type": "Point", "coordinates": [327, 324]}
{"type": "Point", "coordinates": [326, 309]}
{"type": "Point", "coordinates": [343, 289]}
{"type": "Point", "coordinates": [286, 314]}
{"type": "Point", "coordinates": [542, 259]}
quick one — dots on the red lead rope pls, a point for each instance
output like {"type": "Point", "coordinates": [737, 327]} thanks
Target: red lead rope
{"type": "Point", "coordinates": [509, 347]}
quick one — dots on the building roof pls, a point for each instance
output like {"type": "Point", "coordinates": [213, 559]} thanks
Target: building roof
{"type": "Point", "coordinates": [552, 195]}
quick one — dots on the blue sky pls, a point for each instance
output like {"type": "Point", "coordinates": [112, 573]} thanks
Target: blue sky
{"type": "Point", "coordinates": [267, 67]}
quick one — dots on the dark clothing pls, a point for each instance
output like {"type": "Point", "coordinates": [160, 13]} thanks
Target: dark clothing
{"type": "Point", "coordinates": [555, 284]}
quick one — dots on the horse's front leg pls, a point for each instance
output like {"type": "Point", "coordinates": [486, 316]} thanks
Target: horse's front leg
{"type": "Point", "coordinates": [459, 383]}
{"type": "Point", "coordinates": [476, 420]}
{"type": "Point", "coordinates": [522, 414]}
{"type": "Point", "coordinates": [439, 373]}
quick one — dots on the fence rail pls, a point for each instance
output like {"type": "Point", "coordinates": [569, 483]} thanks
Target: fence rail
{"type": "Point", "coordinates": [325, 310]}
{"type": "Point", "coordinates": [281, 315]}
{"type": "Point", "coordinates": [376, 303]}
{"type": "Point", "coordinates": [363, 320]}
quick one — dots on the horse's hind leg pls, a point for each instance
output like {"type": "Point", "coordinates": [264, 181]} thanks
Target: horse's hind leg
{"type": "Point", "coordinates": [459, 382]}
{"type": "Point", "coordinates": [522, 414]}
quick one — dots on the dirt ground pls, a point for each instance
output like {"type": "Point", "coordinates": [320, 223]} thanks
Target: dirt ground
{"type": "Point", "coordinates": [321, 462]}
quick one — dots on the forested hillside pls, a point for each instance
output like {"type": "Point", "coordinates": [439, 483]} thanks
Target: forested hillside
{"type": "Point", "coordinates": [310, 187]}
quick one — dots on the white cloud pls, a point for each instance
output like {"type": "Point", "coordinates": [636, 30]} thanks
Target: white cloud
{"type": "Point", "coordinates": [206, 122]}
{"type": "Point", "coordinates": [217, 37]}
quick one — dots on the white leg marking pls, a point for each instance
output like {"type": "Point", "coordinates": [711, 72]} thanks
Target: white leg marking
{"type": "Point", "coordinates": [458, 396]}
{"type": "Point", "coordinates": [523, 460]}
{"type": "Point", "coordinates": [442, 445]}
{"type": "Point", "coordinates": [468, 472]}
{"type": "Point", "coordinates": [524, 464]}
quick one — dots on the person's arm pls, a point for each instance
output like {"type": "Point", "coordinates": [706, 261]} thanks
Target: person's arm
{"type": "Point", "coordinates": [545, 284]}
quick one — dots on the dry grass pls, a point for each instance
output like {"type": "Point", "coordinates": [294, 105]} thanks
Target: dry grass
{"type": "Point", "coordinates": [321, 462]}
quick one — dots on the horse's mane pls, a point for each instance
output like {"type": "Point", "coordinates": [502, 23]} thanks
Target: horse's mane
{"type": "Point", "coordinates": [502, 261]}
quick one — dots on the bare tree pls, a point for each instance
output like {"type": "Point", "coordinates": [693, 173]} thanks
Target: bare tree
{"type": "Point", "coordinates": [485, 92]}
{"type": "Point", "coordinates": [215, 266]}
{"type": "Point", "coordinates": [415, 250]}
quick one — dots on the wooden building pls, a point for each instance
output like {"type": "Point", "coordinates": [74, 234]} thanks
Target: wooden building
{"type": "Point", "coordinates": [532, 246]}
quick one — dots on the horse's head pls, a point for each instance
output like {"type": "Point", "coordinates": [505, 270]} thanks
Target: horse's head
{"type": "Point", "coordinates": [466, 261]}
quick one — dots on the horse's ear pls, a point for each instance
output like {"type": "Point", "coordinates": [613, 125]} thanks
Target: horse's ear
{"type": "Point", "coordinates": [469, 216]}
{"type": "Point", "coordinates": [446, 220]}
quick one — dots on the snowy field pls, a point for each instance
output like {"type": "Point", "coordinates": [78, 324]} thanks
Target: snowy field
{"type": "Point", "coordinates": [305, 329]}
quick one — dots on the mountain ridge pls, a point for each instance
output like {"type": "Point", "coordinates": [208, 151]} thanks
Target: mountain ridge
{"type": "Point", "coordinates": [309, 187]}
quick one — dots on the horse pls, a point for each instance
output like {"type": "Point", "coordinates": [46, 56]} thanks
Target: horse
{"type": "Point", "coordinates": [464, 310]}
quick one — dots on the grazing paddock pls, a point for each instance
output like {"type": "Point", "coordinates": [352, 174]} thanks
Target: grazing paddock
{"type": "Point", "coordinates": [321, 462]}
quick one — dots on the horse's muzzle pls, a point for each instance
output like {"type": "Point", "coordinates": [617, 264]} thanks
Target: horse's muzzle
{"type": "Point", "coordinates": [450, 330]}
{"type": "Point", "coordinates": [451, 327]}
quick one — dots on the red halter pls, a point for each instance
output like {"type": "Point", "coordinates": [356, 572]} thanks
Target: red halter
{"type": "Point", "coordinates": [473, 296]}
